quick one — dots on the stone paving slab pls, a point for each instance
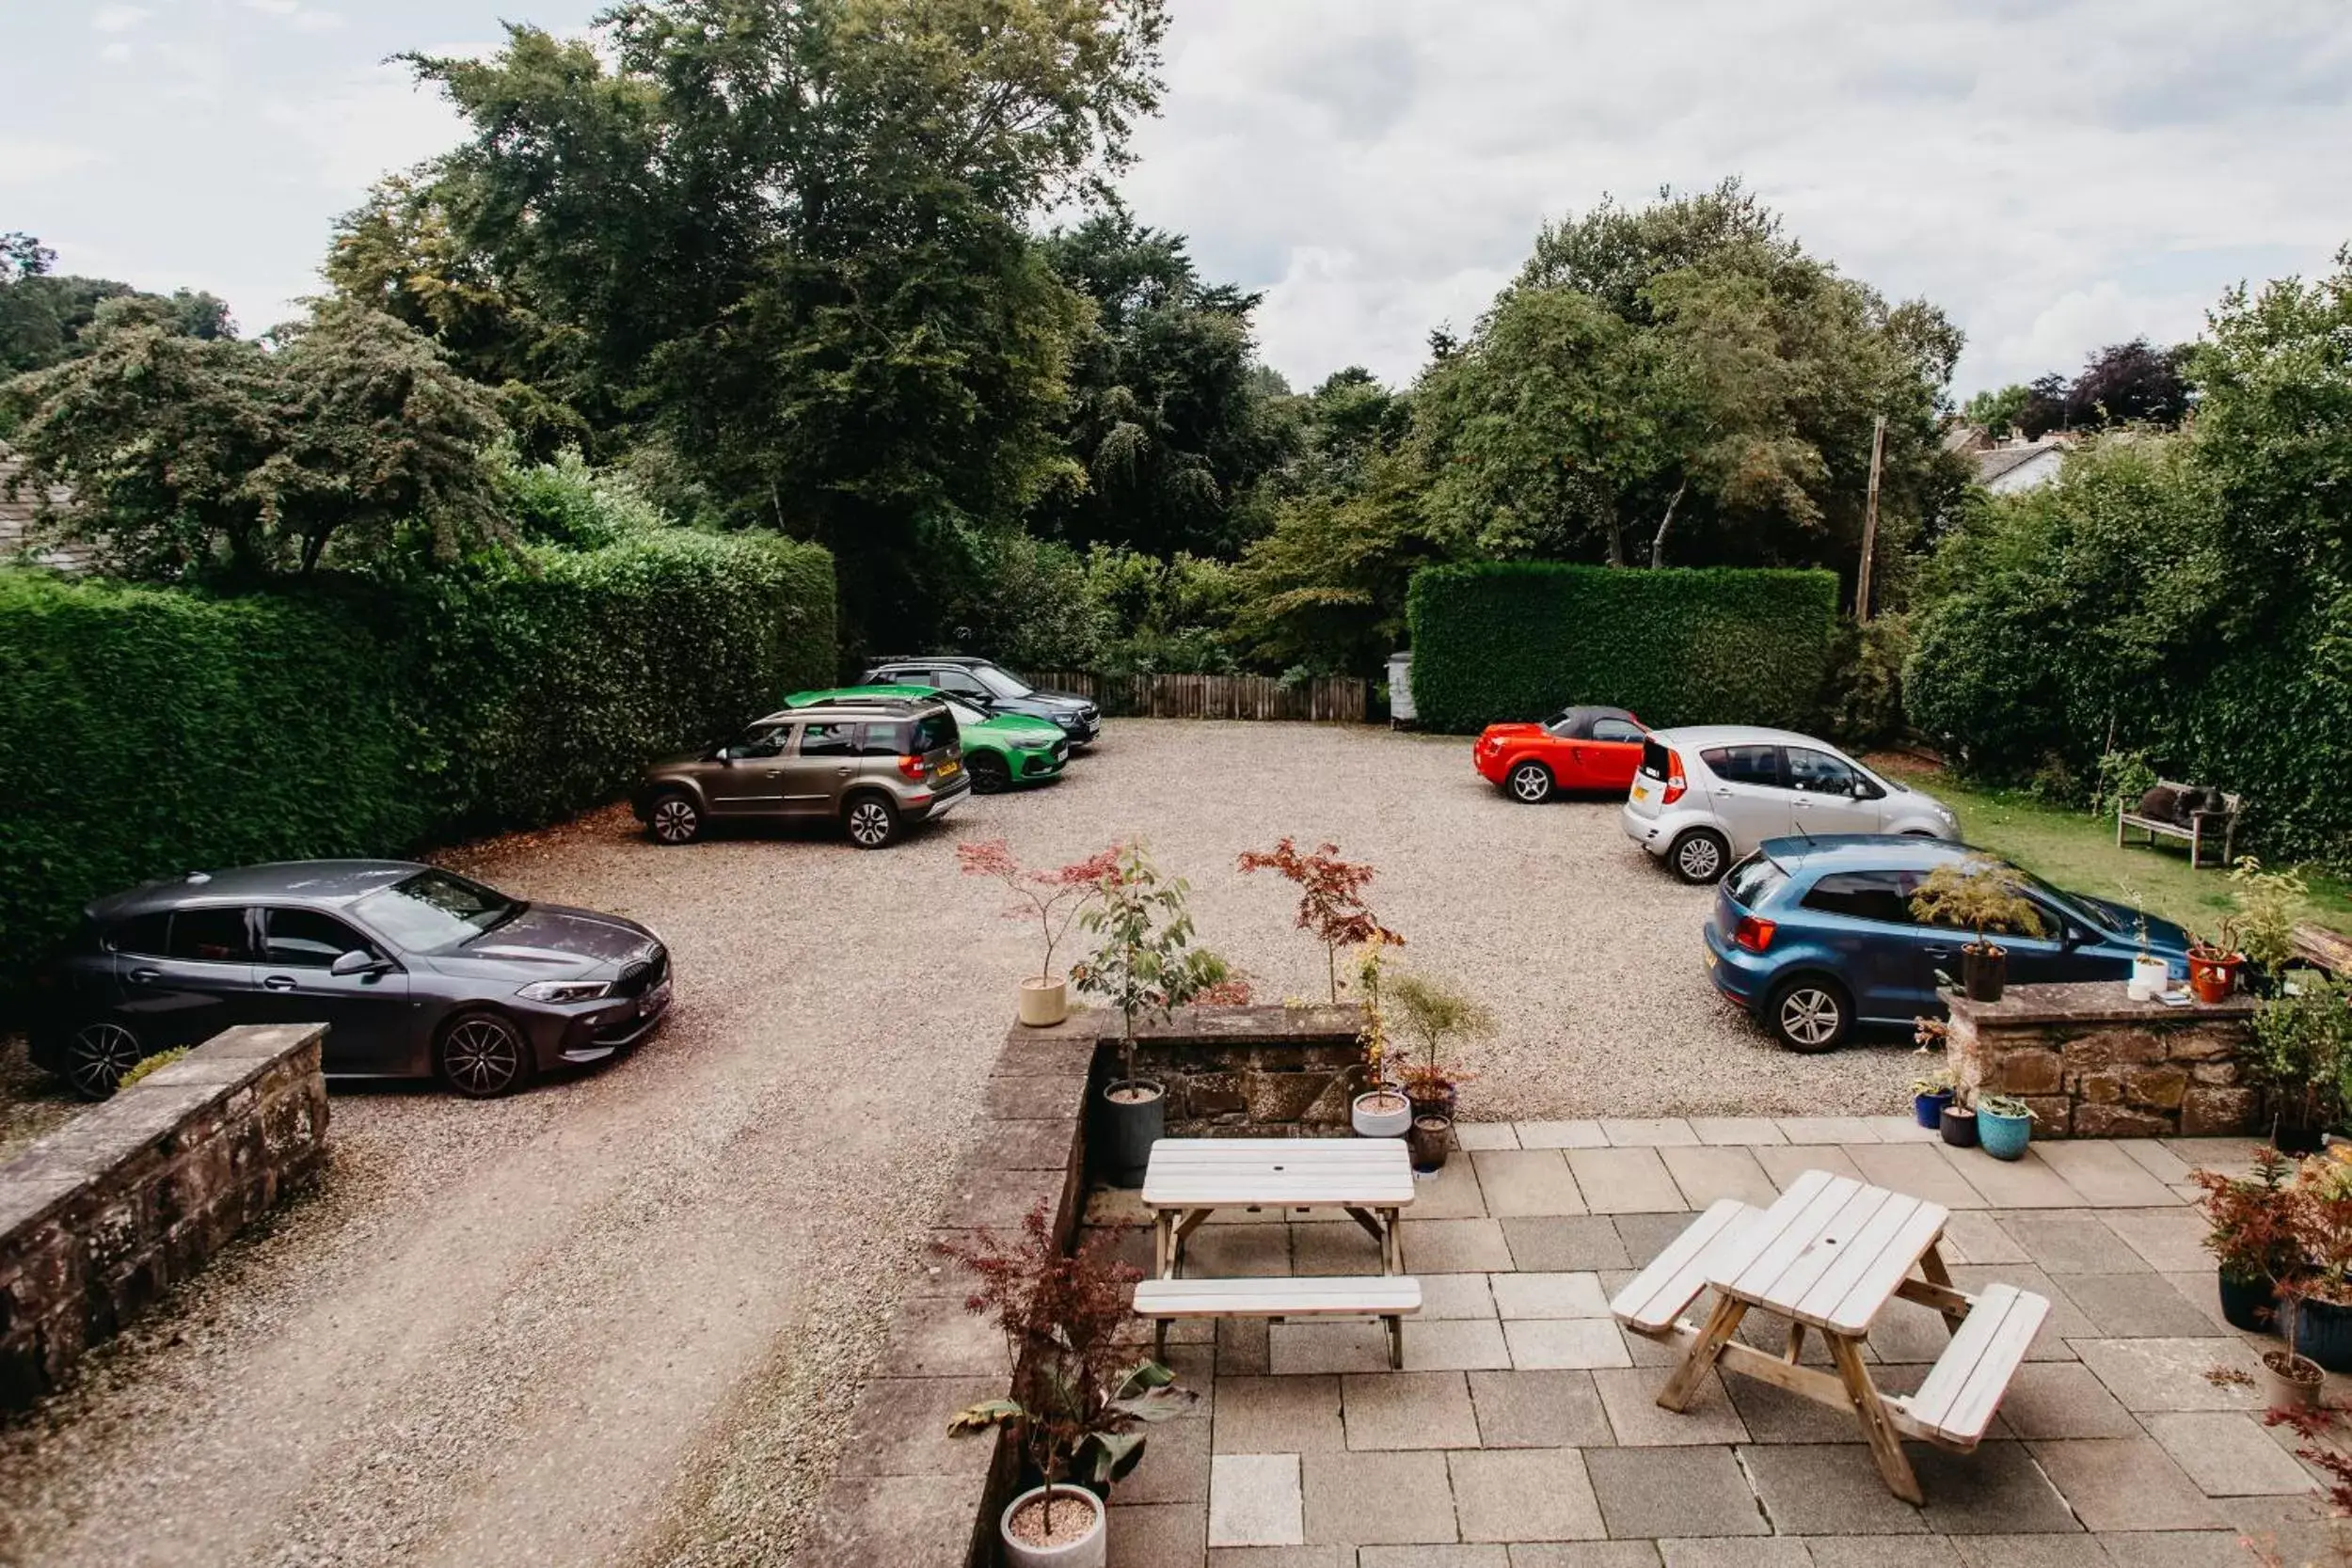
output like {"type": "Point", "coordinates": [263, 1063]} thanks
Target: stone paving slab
{"type": "Point", "coordinates": [1525, 1432]}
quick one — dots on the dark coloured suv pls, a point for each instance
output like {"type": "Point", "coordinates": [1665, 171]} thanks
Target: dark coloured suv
{"type": "Point", "coordinates": [992, 686]}
{"type": "Point", "coordinates": [871, 765]}
{"type": "Point", "coordinates": [416, 971]}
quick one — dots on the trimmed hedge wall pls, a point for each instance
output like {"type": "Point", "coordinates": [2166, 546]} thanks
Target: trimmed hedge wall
{"type": "Point", "coordinates": [1498, 641]}
{"type": "Point", "coordinates": [144, 732]}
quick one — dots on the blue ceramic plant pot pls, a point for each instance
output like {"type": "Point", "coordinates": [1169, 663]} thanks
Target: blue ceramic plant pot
{"type": "Point", "coordinates": [1928, 1108]}
{"type": "Point", "coordinates": [2003, 1137]}
{"type": "Point", "coordinates": [2323, 1331]}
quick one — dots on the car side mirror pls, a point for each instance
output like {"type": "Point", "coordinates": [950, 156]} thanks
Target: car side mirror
{"type": "Point", "coordinates": [1864, 791]}
{"type": "Point", "coordinates": [358, 961]}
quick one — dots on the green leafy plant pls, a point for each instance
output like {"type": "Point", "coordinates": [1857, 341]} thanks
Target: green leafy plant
{"type": "Point", "coordinates": [1078, 1393]}
{"type": "Point", "coordinates": [1981, 895]}
{"type": "Point", "coordinates": [2003, 1106]}
{"type": "Point", "coordinates": [1374, 1034]}
{"type": "Point", "coordinates": [2301, 1054]}
{"type": "Point", "coordinates": [149, 1065]}
{"type": "Point", "coordinates": [1942, 1080]}
{"type": "Point", "coordinates": [2124, 777]}
{"type": "Point", "coordinates": [1434, 1013]}
{"type": "Point", "coordinates": [1144, 963]}
{"type": "Point", "coordinates": [1330, 899]}
{"type": "Point", "coordinates": [2268, 905]}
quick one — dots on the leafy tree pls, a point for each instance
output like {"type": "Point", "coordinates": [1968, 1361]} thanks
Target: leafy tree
{"type": "Point", "coordinates": [1997, 411]}
{"type": "Point", "coordinates": [43, 316]}
{"type": "Point", "coordinates": [1165, 413]}
{"type": "Point", "coordinates": [184, 452]}
{"type": "Point", "coordinates": [2130, 383]}
{"type": "Point", "coordinates": [792, 238]}
{"type": "Point", "coordinates": [1325, 591]}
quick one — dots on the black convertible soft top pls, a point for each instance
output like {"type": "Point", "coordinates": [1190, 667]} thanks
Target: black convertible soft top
{"type": "Point", "coordinates": [1576, 723]}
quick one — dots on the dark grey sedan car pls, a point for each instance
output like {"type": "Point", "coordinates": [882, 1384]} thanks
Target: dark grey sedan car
{"type": "Point", "coordinates": [416, 971]}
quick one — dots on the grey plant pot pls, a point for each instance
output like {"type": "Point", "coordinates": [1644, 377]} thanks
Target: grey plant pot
{"type": "Point", "coordinates": [1127, 1132]}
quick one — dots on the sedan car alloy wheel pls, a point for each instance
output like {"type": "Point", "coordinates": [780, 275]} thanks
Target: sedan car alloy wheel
{"type": "Point", "coordinates": [1699, 857]}
{"type": "Point", "coordinates": [1532, 782]}
{"type": "Point", "coordinates": [482, 1057]}
{"type": "Point", "coordinates": [101, 1054]}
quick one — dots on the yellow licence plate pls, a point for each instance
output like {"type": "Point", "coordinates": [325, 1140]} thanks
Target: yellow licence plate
{"type": "Point", "coordinates": [1710, 956]}
{"type": "Point", "coordinates": [949, 768]}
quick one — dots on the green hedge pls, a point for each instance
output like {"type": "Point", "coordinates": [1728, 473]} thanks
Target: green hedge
{"type": "Point", "coordinates": [145, 731]}
{"type": "Point", "coordinates": [1516, 641]}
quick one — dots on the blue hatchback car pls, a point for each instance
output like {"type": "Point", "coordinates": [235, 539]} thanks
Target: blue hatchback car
{"type": "Point", "coordinates": [1813, 936]}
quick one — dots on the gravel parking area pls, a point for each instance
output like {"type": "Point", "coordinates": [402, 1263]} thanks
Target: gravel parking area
{"type": "Point", "coordinates": [619, 1320]}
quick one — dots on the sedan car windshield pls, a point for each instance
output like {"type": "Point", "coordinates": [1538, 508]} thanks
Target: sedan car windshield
{"type": "Point", "coordinates": [999, 682]}
{"type": "Point", "coordinates": [435, 912]}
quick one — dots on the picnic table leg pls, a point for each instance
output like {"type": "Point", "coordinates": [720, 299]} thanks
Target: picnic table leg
{"type": "Point", "coordinates": [1393, 1251]}
{"type": "Point", "coordinates": [1931, 1265]}
{"type": "Point", "coordinates": [1194, 1219]}
{"type": "Point", "coordinates": [1720, 1323]}
{"type": "Point", "coordinates": [1884, 1446]}
{"type": "Point", "coordinates": [1796, 1342]}
{"type": "Point", "coordinates": [1163, 1243]}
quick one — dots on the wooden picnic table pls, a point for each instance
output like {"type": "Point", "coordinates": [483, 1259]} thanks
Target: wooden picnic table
{"type": "Point", "coordinates": [1188, 1180]}
{"type": "Point", "coordinates": [1827, 1257]}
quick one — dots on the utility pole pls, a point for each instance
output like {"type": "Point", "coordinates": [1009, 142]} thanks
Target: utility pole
{"type": "Point", "coordinates": [1870, 523]}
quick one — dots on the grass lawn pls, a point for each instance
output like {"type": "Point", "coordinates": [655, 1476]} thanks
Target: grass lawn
{"type": "Point", "coordinates": [2077, 851]}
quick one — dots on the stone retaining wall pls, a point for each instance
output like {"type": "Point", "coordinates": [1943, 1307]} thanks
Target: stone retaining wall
{"type": "Point", "coordinates": [102, 1217]}
{"type": "Point", "coordinates": [2095, 1063]}
{"type": "Point", "coordinates": [1248, 1071]}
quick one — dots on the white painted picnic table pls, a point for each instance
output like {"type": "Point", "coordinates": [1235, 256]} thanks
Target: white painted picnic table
{"type": "Point", "coordinates": [1189, 1179]}
{"type": "Point", "coordinates": [1827, 1257]}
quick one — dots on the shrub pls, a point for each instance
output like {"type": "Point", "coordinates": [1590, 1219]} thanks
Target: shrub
{"type": "Point", "coordinates": [1519, 641]}
{"type": "Point", "coordinates": [150, 1065]}
{"type": "Point", "coordinates": [145, 731]}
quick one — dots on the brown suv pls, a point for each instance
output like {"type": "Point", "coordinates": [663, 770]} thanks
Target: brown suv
{"type": "Point", "coordinates": [873, 767]}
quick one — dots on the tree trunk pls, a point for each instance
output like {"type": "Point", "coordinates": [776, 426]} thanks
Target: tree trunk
{"type": "Point", "coordinates": [1615, 533]}
{"type": "Point", "coordinates": [1658, 544]}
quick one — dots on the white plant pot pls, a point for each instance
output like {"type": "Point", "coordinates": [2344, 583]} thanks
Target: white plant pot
{"type": "Point", "coordinates": [2151, 979]}
{"type": "Point", "coordinates": [1088, 1551]}
{"type": "Point", "coordinates": [1374, 1122]}
{"type": "Point", "coordinates": [1044, 1003]}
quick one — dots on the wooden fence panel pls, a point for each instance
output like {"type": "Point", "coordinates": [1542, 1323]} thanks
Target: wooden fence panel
{"type": "Point", "coordinates": [1330, 700]}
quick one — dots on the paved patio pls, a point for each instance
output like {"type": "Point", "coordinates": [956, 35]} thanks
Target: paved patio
{"type": "Point", "coordinates": [1522, 1433]}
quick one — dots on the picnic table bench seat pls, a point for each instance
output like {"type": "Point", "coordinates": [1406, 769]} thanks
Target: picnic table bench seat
{"type": "Point", "coordinates": [1653, 1300]}
{"type": "Point", "coordinates": [1955, 1405]}
{"type": "Point", "coordinates": [1388, 1297]}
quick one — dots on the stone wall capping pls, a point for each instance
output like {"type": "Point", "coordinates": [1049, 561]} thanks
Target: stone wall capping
{"type": "Point", "coordinates": [102, 1217]}
{"type": "Point", "coordinates": [2091, 1001]}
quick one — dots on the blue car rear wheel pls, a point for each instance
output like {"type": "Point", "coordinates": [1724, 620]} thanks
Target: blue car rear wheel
{"type": "Point", "coordinates": [1810, 1013]}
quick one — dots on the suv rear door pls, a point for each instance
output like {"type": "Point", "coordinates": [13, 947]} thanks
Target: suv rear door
{"type": "Point", "coordinates": [823, 758]}
{"type": "Point", "coordinates": [933, 737]}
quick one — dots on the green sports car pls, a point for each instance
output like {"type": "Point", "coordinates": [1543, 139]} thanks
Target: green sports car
{"type": "Point", "coordinates": [1001, 750]}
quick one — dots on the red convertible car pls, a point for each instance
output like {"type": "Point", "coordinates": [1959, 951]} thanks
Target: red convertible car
{"type": "Point", "coordinates": [1595, 749]}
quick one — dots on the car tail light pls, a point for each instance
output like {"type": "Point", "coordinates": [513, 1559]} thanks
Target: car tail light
{"type": "Point", "coordinates": [1752, 934]}
{"type": "Point", "coordinates": [1676, 784]}
{"type": "Point", "coordinates": [911, 768]}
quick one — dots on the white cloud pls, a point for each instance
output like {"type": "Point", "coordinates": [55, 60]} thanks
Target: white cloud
{"type": "Point", "coordinates": [369, 124]}
{"type": "Point", "coordinates": [1377, 165]}
{"type": "Point", "coordinates": [305, 19]}
{"type": "Point", "coordinates": [30, 162]}
{"type": "Point", "coordinates": [119, 19]}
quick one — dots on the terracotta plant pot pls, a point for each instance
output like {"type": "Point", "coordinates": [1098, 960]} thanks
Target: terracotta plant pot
{"type": "Point", "coordinates": [1382, 1113]}
{"type": "Point", "coordinates": [1429, 1142]}
{"type": "Point", "coordinates": [2291, 1382]}
{"type": "Point", "coordinates": [1983, 971]}
{"type": "Point", "coordinates": [2212, 978]}
{"type": "Point", "coordinates": [1044, 1003]}
{"type": "Point", "coordinates": [1089, 1551]}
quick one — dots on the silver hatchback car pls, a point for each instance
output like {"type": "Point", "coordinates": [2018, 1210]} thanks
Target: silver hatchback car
{"type": "Point", "coordinates": [1704, 796]}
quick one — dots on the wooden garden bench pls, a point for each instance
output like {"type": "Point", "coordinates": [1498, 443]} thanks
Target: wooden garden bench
{"type": "Point", "coordinates": [2200, 829]}
{"type": "Point", "coordinates": [1388, 1297]}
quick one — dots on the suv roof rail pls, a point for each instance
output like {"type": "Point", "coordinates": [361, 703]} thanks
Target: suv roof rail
{"type": "Point", "coordinates": [895, 704]}
{"type": "Point", "coordinates": [929, 658]}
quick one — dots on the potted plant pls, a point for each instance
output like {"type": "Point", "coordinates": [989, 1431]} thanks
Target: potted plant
{"type": "Point", "coordinates": [2299, 1056]}
{"type": "Point", "coordinates": [1382, 1110]}
{"type": "Point", "coordinates": [1984, 895]}
{"type": "Point", "coordinates": [2318, 1302]}
{"type": "Point", "coordinates": [2214, 962]}
{"type": "Point", "coordinates": [1053, 899]}
{"type": "Point", "coordinates": [1078, 1395]}
{"type": "Point", "coordinates": [1930, 1094]}
{"type": "Point", "coordinates": [2003, 1124]}
{"type": "Point", "coordinates": [1330, 899]}
{"type": "Point", "coordinates": [1144, 963]}
{"type": "Point", "coordinates": [2250, 1231]}
{"type": "Point", "coordinates": [2268, 905]}
{"type": "Point", "coordinates": [1432, 1013]}
{"type": "Point", "coordinates": [1958, 1125]}
{"type": "Point", "coordinates": [2151, 975]}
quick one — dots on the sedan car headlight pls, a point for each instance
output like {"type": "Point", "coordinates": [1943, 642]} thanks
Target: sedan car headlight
{"type": "Point", "coordinates": [565, 991]}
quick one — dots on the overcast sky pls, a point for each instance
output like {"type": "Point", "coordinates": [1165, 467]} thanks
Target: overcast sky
{"type": "Point", "coordinates": [2056, 176]}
